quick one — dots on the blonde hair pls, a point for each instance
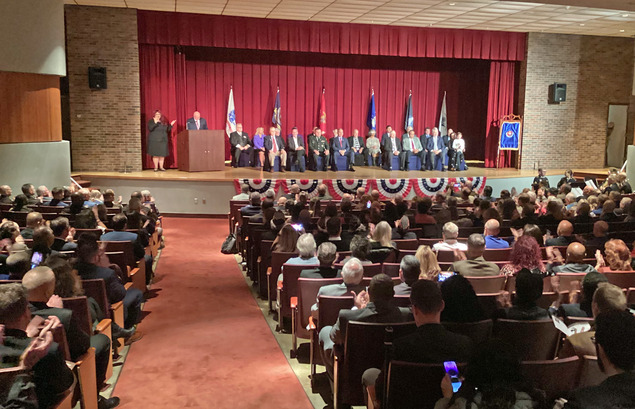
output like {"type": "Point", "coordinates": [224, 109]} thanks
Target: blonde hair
{"type": "Point", "coordinates": [383, 234]}
{"type": "Point", "coordinates": [428, 261]}
{"type": "Point", "coordinates": [617, 255]}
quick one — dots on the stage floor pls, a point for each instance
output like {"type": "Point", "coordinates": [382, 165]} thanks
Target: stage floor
{"type": "Point", "coordinates": [361, 172]}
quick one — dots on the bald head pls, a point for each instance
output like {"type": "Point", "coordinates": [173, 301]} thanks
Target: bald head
{"type": "Point", "coordinates": [492, 227]}
{"type": "Point", "coordinates": [39, 283]}
{"type": "Point", "coordinates": [565, 228]}
{"type": "Point", "coordinates": [34, 219]}
{"type": "Point", "coordinates": [575, 253]}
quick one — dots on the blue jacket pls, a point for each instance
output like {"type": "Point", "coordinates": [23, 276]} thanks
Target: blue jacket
{"type": "Point", "coordinates": [114, 288]}
{"type": "Point", "coordinates": [337, 146]}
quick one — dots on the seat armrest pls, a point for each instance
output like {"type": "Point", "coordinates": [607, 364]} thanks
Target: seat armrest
{"type": "Point", "coordinates": [293, 302]}
{"type": "Point", "coordinates": [280, 284]}
{"type": "Point", "coordinates": [104, 327]}
{"type": "Point", "coordinates": [312, 326]}
{"type": "Point", "coordinates": [127, 286]}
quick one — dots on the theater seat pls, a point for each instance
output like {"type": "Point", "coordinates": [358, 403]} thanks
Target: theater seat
{"type": "Point", "coordinates": [555, 377]}
{"type": "Point", "coordinates": [533, 340]}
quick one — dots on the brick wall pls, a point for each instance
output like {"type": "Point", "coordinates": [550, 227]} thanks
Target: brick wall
{"type": "Point", "coordinates": [597, 71]}
{"type": "Point", "coordinates": [105, 127]}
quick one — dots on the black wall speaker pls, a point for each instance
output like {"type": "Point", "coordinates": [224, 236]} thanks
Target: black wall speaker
{"type": "Point", "coordinates": [557, 93]}
{"type": "Point", "coordinates": [97, 78]}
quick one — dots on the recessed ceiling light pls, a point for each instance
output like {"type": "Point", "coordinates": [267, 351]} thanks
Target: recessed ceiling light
{"type": "Point", "coordinates": [624, 15]}
{"type": "Point", "coordinates": [568, 7]}
{"type": "Point", "coordinates": [452, 4]}
{"type": "Point", "coordinates": [621, 31]}
{"type": "Point", "coordinates": [581, 24]}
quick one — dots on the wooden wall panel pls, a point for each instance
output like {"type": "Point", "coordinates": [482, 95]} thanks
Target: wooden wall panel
{"type": "Point", "coordinates": [30, 108]}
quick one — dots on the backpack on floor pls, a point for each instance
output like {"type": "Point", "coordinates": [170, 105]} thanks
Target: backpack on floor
{"type": "Point", "coordinates": [229, 245]}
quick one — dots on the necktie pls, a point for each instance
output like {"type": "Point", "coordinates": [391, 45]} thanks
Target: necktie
{"type": "Point", "coordinates": [412, 144]}
{"type": "Point", "coordinates": [197, 125]}
{"type": "Point", "coordinates": [394, 146]}
{"type": "Point", "coordinates": [356, 143]}
{"type": "Point", "coordinates": [275, 145]}
{"type": "Point", "coordinates": [341, 146]}
{"type": "Point", "coordinates": [434, 139]}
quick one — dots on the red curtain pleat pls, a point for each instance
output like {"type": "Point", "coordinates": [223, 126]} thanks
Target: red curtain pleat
{"type": "Point", "coordinates": [500, 103]}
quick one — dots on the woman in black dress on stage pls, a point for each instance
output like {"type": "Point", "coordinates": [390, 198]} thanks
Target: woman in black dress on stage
{"type": "Point", "coordinates": [158, 139]}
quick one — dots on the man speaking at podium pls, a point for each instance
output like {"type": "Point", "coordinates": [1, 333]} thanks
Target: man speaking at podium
{"type": "Point", "coordinates": [196, 122]}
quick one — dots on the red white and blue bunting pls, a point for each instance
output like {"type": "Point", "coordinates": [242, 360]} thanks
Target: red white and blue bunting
{"type": "Point", "coordinates": [388, 188]}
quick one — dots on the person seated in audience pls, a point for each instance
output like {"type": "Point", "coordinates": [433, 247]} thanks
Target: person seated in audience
{"type": "Point", "coordinates": [275, 225]}
{"type": "Point", "coordinates": [254, 206]}
{"type": "Point", "coordinates": [600, 237]}
{"type": "Point", "coordinates": [565, 235]}
{"type": "Point", "coordinates": [461, 301]}
{"type": "Point", "coordinates": [109, 200]}
{"type": "Point", "coordinates": [553, 213]}
{"type": "Point", "coordinates": [33, 221]}
{"type": "Point", "coordinates": [44, 195]}
{"type": "Point", "coordinates": [423, 209]}
{"type": "Point", "coordinates": [608, 211]}
{"type": "Point", "coordinates": [148, 201]}
{"type": "Point", "coordinates": [574, 262]}
{"type": "Point", "coordinates": [43, 239]}
{"type": "Point", "coordinates": [306, 250]}
{"type": "Point", "coordinates": [322, 193]}
{"type": "Point", "coordinates": [607, 297]}
{"type": "Point", "coordinates": [567, 178]}
{"type": "Point", "coordinates": [91, 265]}
{"type": "Point", "coordinates": [89, 218]}
{"type": "Point", "coordinates": [493, 378]}
{"type": "Point", "coordinates": [281, 204]}
{"type": "Point", "coordinates": [583, 213]}
{"type": "Point", "coordinates": [381, 244]}
{"type": "Point", "coordinates": [85, 194]}
{"type": "Point", "coordinates": [599, 202]}
{"type": "Point", "coordinates": [58, 198]}
{"type": "Point", "coordinates": [352, 274]}
{"type": "Point", "coordinates": [428, 265]}
{"type": "Point", "coordinates": [5, 194]}
{"type": "Point", "coordinates": [326, 255]}
{"type": "Point", "coordinates": [294, 190]}
{"type": "Point", "coordinates": [372, 306]}
{"type": "Point", "coordinates": [487, 194]}
{"type": "Point", "coordinates": [472, 263]}
{"type": "Point", "coordinates": [525, 254]}
{"type": "Point", "coordinates": [286, 240]}
{"type": "Point", "coordinates": [244, 193]}
{"type": "Point", "coordinates": [622, 184]}
{"type": "Point", "coordinates": [450, 234]}
{"type": "Point", "coordinates": [570, 201]}
{"type": "Point", "coordinates": [68, 191]}
{"type": "Point", "coordinates": [28, 190]}
{"type": "Point", "coordinates": [20, 204]}
{"type": "Point", "coordinates": [531, 230]}
{"type": "Point", "coordinates": [617, 257]}
{"type": "Point", "coordinates": [77, 205]}
{"type": "Point", "coordinates": [374, 195]}
{"type": "Point", "coordinates": [492, 241]}
{"type": "Point", "coordinates": [529, 288]}
{"type": "Point", "coordinates": [409, 270]}
{"type": "Point", "coordinates": [582, 308]}
{"type": "Point", "coordinates": [260, 217]}
{"type": "Point", "coordinates": [615, 346]}
{"type": "Point", "coordinates": [624, 206]}
{"type": "Point", "coordinates": [334, 232]}
{"type": "Point", "coordinates": [63, 233]}
{"type": "Point", "coordinates": [360, 249]}
{"type": "Point", "coordinates": [400, 231]}
{"type": "Point", "coordinates": [18, 262]}
{"type": "Point", "coordinates": [50, 374]}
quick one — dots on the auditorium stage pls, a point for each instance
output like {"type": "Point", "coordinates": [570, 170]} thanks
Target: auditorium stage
{"type": "Point", "coordinates": [208, 193]}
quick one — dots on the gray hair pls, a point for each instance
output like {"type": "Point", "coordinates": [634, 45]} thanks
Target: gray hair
{"type": "Point", "coordinates": [270, 194]}
{"type": "Point", "coordinates": [450, 230]}
{"type": "Point", "coordinates": [353, 271]}
{"type": "Point", "coordinates": [476, 241]}
{"type": "Point", "coordinates": [326, 253]}
{"type": "Point", "coordinates": [306, 245]}
{"type": "Point", "coordinates": [410, 268]}
{"type": "Point", "coordinates": [13, 302]}
{"type": "Point", "coordinates": [146, 193]}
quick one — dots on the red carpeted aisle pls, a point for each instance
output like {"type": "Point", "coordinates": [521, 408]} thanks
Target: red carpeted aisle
{"type": "Point", "coordinates": [206, 342]}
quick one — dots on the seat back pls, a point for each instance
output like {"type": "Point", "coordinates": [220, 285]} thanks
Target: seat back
{"type": "Point", "coordinates": [307, 294]}
{"type": "Point", "coordinates": [630, 296]}
{"type": "Point", "coordinates": [119, 258]}
{"type": "Point", "coordinates": [488, 303]}
{"type": "Point", "coordinates": [402, 254]}
{"type": "Point", "coordinates": [127, 247]}
{"type": "Point", "coordinates": [622, 279]}
{"type": "Point", "coordinates": [533, 340]}
{"type": "Point", "coordinates": [290, 276]}
{"type": "Point", "coordinates": [341, 255]}
{"type": "Point", "coordinates": [364, 348]}
{"type": "Point", "coordinates": [79, 306]}
{"type": "Point", "coordinates": [277, 260]}
{"type": "Point", "coordinates": [429, 242]}
{"type": "Point", "coordinates": [497, 254]}
{"type": "Point", "coordinates": [265, 263]}
{"type": "Point", "coordinates": [413, 386]}
{"type": "Point", "coordinates": [567, 278]}
{"type": "Point", "coordinates": [590, 373]}
{"type": "Point", "coordinates": [488, 284]}
{"type": "Point", "coordinates": [329, 308]}
{"type": "Point", "coordinates": [408, 244]}
{"type": "Point", "coordinates": [478, 331]}
{"type": "Point", "coordinates": [391, 269]}
{"type": "Point", "coordinates": [366, 280]}
{"type": "Point", "coordinates": [554, 377]}
{"type": "Point", "coordinates": [401, 301]}
{"type": "Point", "coordinates": [96, 289]}
{"type": "Point", "coordinates": [445, 256]}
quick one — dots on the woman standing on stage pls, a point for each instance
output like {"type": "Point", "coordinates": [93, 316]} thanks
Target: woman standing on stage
{"type": "Point", "coordinates": [158, 139]}
{"type": "Point", "coordinates": [372, 145]}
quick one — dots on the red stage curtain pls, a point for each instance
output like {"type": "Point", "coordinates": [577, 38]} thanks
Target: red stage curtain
{"type": "Point", "coordinates": [162, 82]}
{"type": "Point", "coordinates": [184, 29]}
{"type": "Point", "coordinates": [500, 102]}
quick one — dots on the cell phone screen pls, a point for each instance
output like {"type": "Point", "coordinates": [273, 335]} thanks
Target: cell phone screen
{"type": "Point", "coordinates": [445, 275]}
{"type": "Point", "coordinates": [453, 371]}
{"type": "Point", "coordinates": [36, 259]}
{"type": "Point", "coordinates": [297, 227]}
{"type": "Point", "coordinates": [368, 204]}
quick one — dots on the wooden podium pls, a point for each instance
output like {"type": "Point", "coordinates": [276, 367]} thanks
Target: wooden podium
{"type": "Point", "coordinates": [199, 151]}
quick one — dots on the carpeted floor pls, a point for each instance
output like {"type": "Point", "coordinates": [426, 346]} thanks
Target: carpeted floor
{"type": "Point", "coordinates": [206, 344]}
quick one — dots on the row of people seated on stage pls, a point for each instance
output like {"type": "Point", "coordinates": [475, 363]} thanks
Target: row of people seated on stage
{"type": "Point", "coordinates": [430, 150]}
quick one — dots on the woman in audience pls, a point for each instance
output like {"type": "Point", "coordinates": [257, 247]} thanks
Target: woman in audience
{"type": "Point", "coordinates": [525, 253]}
{"type": "Point", "coordinates": [454, 212]}
{"type": "Point", "coordinates": [329, 211]}
{"type": "Point", "coordinates": [19, 204]}
{"type": "Point", "coordinates": [43, 239]}
{"type": "Point", "coordinates": [382, 247]}
{"type": "Point", "coordinates": [286, 240]}
{"type": "Point", "coordinates": [553, 213]}
{"type": "Point", "coordinates": [608, 211]}
{"type": "Point", "coordinates": [428, 263]}
{"type": "Point", "coordinates": [304, 218]}
{"type": "Point", "coordinates": [77, 204]}
{"type": "Point", "coordinates": [529, 288]}
{"type": "Point", "coordinates": [461, 302]}
{"type": "Point", "coordinates": [507, 209]}
{"type": "Point", "coordinates": [493, 379]}
{"type": "Point", "coordinates": [535, 232]}
{"type": "Point", "coordinates": [617, 257]}
{"type": "Point", "coordinates": [583, 213]}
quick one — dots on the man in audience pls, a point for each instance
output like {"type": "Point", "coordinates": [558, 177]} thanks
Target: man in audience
{"type": "Point", "coordinates": [352, 274]}
{"type": "Point", "coordinates": [244, 193]}
{"type": "Point", "coordinates": [29, 191]}
{"type": "Point", "coordinates": [58, 198]}
{"type": "Point", "coordinates": [326, 254]}
{"type": "Point", "coordinates": [450, 234]}
{"type": "Point", "coordinates": [33, 221]}
{"type": "Point", "coordinates": [254, 207]}
{"type": "Point", "coordinates": [90, 265]}
{"type": "Point", "coordinates": [574, 262]}
{"type": "Point", "coordinates": [306, 250]}
{"type": "Point", "coordinates": [360, 248]}
{"type": "Point", "coordinates": [322, 193]}
{"type": "Point", "coordinates": [294, 190]}
{"type": "Point", "coordinates": [260, 217]}
{"type": "Point", "coordinates": [109, 199]}
{"type": "Point", "coordinates": [409, 270]}
{"type": "Point", "coordinates": [590, 283]}
{"type": "Point", "coordinates": [43, 194]}
{"type": "Point", "coordinates": [487, 194]}
{"type": "Point", "coordinates": [474, 265]}
{"type": "Point", "coordinates": [492, 241]}
{"type": "Point", "coordinates": [565, 235]}
{"type": "Point", "coordinates": [525, 307]}
{"type": "Point", "coordinates": [615, 346]}
{"type": "Point", "coordinates": [607, 297]}
{"type": "Point", "coordinates": [5, 194]}
{"type": "Point", "coordinates": [63, 235]}
{"type": "Point", "coordinates": [334, 231]}
{"type": "Point", "coordinates": [50, 374]}
{"type": "Point", "coordinates": [600, 237]}
{"type": "Point", "coordinates": [374, 306]}
{"type": "Point", "coordinates": [401, 230]}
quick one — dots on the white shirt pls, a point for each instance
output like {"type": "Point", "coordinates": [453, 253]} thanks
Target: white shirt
{"type": "Point", "coordinates": [447, 246]}
{"type": "Point", "coordinates": [458, 145]}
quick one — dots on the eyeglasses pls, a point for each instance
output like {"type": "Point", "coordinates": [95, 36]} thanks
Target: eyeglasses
{"type": "Point", "coordinates": [593, 340]}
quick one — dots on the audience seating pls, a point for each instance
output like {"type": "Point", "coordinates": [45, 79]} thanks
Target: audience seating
{"type": "Point", "coordinates": [566, 279]}
{"type": "Point", "coordinates": [264, 262]}
{"type": "Point", "coordinates": [477, 331]}
{"type": "Point", "coordinates": [590, 373]}
{"type": "Point", "coordinates": [366, 281]}
{"type": "Point", "coordinates": [364, 347]}
{"type": "Point", "coordinates": [96, 289]}
{"type": "Point", "coordinates": [497, 254]}
{"type": "Point", "coordinates": [277, 260]}
{"type": "Point", "coordinates": [622, 279]}
{"type": "Point", "coordinates": [391, 269]}
{"type": "Point", "coordinates": [488, 284]}
{"type": "Point", "coordinates": [408, 244]}
{"type": "Point", "coordinates": [488, 303]}
{"type": "Point", "coordinates": [328, 311]}
{"type": "Point", "coordinates": [554, 377]}
{"type": "Point", "coordinates": [630, 296]}
{"type": "Point", "coordinates": [533, 340]}
{"type": "Point", "coordinates": [401, 301]}
{"type": "Point", "coordinates": [287, 288]}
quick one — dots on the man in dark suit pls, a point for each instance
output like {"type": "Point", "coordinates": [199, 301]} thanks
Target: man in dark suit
{"type": "Point", "coordinates": [436, 150]}
{"type": "Point", "coordinates": [386, 135]}
{"type": "Point", "coordinates": [29, 191]}
{"type": "Point", "coordinates": [334, 231]}
{"type": "Point", "coordinates": [319, 146]}
{"type": "Point", "coordinates": [274, 146]}
{"type": "Point", "coordinates": [196, 122]}
{"type": "Point", "coordinates": [240, 144]}
{"type": "Point", "coordinates": [63, 235]}
{"type": "Point", "coordinates": [326, 254]}
{"type": "Point", "coordinates": [390, 147]}
{"type": "Point", "coordinates": [357, 145]}
{"type": "Point", "coordinates": [374, 306]}
{"type": "Point", "coordinates": [424, 143]}
{"type": "Point", "coordinates": [615, 346]}
{"type": "Point", "coordinates": [295, 144]}
{"type": "Point", "coordinates": [341, 148]}
{"type": "Point", "coordinates": [254, 207]}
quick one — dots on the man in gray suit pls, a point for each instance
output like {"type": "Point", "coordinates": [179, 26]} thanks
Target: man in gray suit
{"type": "Point", "coordinates": [409, 270]}
{"type": "Point", "coordinates": [352, 274]}
{"type": "Point", "coordinates": [475, 265]}
{"type": "Point", "coordinates": [411, 146]}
